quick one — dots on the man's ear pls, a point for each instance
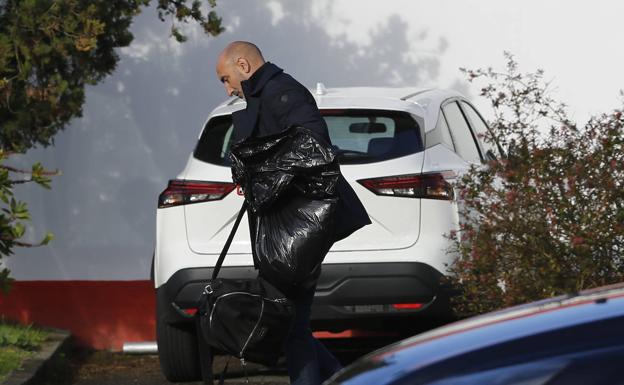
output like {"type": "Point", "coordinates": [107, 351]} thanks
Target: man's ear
{"type": "Point", "coordinates": [243, 66]}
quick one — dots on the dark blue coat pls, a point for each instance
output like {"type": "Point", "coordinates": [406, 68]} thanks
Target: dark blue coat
{"type": "Point", "coordinates": [275, 101]}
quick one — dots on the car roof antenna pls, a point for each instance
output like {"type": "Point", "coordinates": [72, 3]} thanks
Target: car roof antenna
{"type": "Point", "coordinates": [320, 89]}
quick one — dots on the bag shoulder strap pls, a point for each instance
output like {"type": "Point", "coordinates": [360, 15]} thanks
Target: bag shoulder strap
{"type": "Point", "coordinates": [226, 247]}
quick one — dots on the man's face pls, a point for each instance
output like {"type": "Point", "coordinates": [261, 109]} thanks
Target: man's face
{"type": "Point", "coordinates": [231, 76]}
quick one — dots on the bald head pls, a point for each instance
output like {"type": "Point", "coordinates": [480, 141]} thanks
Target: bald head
{"type": "Point", "coordinates": [237, 62]}
{"type": "Point", "coordinates": [242, 49]}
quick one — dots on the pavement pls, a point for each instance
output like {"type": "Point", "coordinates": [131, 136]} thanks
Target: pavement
{"type": "Point", "coordinates": [105, 368]}
{"type": "Point", "coordinates": [60, 363]}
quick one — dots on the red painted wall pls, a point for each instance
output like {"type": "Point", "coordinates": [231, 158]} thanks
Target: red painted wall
{"type": "Point", "coordinates": [100, 314]}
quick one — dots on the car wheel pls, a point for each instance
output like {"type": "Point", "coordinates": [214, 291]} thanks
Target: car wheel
{"type": "Point", "coordinates": [177, 347]}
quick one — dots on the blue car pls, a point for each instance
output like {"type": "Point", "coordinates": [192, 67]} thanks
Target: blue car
{"type": "Point", "coordinates": [574, 339]}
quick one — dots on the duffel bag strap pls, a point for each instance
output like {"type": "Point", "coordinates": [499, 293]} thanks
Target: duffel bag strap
{"type": "Point", "coordinates": [226, 247]}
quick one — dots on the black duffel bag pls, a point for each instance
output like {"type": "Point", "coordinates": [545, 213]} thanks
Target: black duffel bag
{"type": "Point", "coordinates": [249, 319]}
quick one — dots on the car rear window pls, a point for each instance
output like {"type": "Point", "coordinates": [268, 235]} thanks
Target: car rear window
{"type": "Point", "coordinates": [365, 136]}
{"type": "Point", "coordinates": [360, 136]}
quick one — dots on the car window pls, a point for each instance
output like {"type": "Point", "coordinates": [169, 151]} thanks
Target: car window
{"type": "Point", "coordinates": [364, 136]}
{"type": "Point", "coordinates": [534, 373]}
{"type": "Point", "coordinates": [594, 366]}
{"type": "Point", "coordinates": [445, 135]}
{"type": "Point", "coordinates": [360, 136]}
{"type": "Point", "coordinates": [214, 144]}
{"type": "Point", "coordinates": [480, 128]}
{"type": "Point", "coordinates": [460, 131]}
{"type": "Point", "coordinates": [342, 137]}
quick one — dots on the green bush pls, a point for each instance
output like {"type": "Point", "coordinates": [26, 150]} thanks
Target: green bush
{"type": "Point", "coordinates": [22, 337]}
{"type": "Point", "coordinates": [18, 342]}
{"type": "Point", "coordinates": [11, 359]}
{"type": "Point", "coordinates": [547, 218]}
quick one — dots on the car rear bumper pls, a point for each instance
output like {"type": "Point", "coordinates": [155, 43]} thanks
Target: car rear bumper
{"type": "Point", "coordinates": [361, 295]}
{"type": "Point", "coordinates": [378, 295]}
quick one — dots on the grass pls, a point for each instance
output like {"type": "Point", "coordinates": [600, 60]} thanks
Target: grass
{"type": "Point", "coordinates": [17, 342]}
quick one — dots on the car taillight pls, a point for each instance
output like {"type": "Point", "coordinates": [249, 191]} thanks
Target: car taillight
{"type": "Point", "coordinates": [407, 306]}
{"type": "Point", "coordinates": [181, 192]}
{"type": "Point", "coordinates": [430, 186]}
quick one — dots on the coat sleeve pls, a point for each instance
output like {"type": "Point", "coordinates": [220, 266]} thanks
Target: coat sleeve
{"type": "Point", "coordinates": [296, 106]}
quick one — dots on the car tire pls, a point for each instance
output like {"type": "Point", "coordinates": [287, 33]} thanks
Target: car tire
{"type": "Point", "coordinates": [178, 351]}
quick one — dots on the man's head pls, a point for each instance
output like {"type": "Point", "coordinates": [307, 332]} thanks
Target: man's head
{"type": "Point", "coordinates": [237, 62]}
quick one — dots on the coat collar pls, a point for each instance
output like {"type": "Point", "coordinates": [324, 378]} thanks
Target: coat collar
{"type": "Point", "coordinates": [253, 86]}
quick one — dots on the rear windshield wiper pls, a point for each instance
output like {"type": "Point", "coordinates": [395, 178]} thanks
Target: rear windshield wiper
{"type": "Point", "coordinates": [342, 153]}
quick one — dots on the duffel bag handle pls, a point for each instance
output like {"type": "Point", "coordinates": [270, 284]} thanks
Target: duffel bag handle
{"type": "Point", "coordinates": [226, 247]}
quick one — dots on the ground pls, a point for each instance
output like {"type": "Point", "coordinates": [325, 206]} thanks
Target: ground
{"type": "Point", "coordinates": [87, 367]}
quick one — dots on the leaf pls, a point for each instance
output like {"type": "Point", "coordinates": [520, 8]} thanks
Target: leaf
{"type": "Point", "coordinates": [175, 32]}
{"type": "Point", "coordinates": [47, 239]}
{"type": "Point", "coordinates": [20, 210]}
{"type": "Point", "coordinates": [5, 281]}
{"type": "Point", "coordinates": [18, 230]}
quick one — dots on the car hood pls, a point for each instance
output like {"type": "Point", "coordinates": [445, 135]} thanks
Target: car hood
{"type": "Point", "coordinates": [488, 336]}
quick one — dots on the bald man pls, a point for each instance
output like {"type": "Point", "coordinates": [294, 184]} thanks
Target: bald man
{"type": "Point", "coordinates": [276, 101]}
{"type": "Point", "coordinates": [238, 61]}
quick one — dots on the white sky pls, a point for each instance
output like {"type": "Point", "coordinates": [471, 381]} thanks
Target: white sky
{"type": "Point", "coordinates": [578, 43]}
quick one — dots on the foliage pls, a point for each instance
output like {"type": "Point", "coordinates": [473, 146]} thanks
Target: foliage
{"type": "Point", "coordinates": [49, 51]}
{"type": "Point", "coordinates": [17, 342]}
{"type": "Point", "coordinates": [11, 359]}
{"type": "Point", "coordinates": [25, 337]}
{"type": "Point", "coordinates": [15, 213]}
{"type": "Point", "coordinates": [547, 218]}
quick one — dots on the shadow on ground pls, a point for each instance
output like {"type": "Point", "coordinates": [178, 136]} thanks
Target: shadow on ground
{"type": "Point", "coordinates": [82, 366]}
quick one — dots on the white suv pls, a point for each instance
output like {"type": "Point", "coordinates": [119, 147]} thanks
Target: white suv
{"type": "Point", "coordinates": [400, 149]}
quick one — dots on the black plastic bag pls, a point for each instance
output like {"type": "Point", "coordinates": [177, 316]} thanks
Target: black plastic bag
{"type": "Point", "coordinates": [289, 180]}
{"type": "Point", "coordinates": [292, 239]}
{"type": "Point", "coordinates": [296, 160]}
